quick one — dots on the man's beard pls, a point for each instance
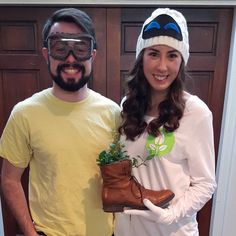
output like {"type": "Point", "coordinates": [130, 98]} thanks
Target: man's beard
{"type": "Point", "coordinates": [70, 85]}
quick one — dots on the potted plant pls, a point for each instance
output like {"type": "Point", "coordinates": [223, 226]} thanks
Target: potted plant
{"type": "Point", "coordinates": [120, 188]}
{"type": "Point", "coordinates": [116, 152]}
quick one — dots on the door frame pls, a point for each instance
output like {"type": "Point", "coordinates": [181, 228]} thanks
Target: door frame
{"type": "Point", "coordinates": [226, 168]}
{"type": "Point", "coordinates": [122, 2]}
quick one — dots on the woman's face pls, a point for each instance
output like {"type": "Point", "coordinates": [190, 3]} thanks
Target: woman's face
{"type": "Point", "coordinates": [161, 66]}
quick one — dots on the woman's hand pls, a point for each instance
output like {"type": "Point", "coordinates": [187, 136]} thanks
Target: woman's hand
{"type": "Point", "coordinates": [155, 213]}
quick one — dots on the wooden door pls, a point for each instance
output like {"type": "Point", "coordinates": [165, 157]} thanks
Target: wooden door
{"type": "Point", "coordinates": [24, 72]}
{"type": "Point", "coordinates": [209, 33]}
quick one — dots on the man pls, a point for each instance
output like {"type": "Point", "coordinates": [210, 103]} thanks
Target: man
{"type": "Point", "coordinates": [59, 133]}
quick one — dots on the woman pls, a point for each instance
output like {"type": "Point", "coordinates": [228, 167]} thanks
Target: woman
{"type": "Point", "coordinates": [171, 127]}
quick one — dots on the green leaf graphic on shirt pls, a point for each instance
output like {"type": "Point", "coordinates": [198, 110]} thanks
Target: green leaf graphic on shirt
{"type": "Point", "coordinates": [161, 145]}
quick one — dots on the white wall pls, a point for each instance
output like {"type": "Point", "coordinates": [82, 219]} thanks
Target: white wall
{"type": "Point", "coordinates": [1, 223]}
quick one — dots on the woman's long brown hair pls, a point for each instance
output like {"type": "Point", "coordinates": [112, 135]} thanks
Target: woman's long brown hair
{"type": "Point", "coordinates": [138, 101]}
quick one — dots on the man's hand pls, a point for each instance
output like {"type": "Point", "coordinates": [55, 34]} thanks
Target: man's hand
{"type": "Point", "coordinates": [155, 213]}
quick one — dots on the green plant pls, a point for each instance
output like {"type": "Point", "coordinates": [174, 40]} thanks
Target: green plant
{"type": "Point", "coordinates": [116, 152]}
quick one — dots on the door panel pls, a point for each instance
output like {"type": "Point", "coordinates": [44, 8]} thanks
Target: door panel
{"type": "Point", "coordinates": [24, 72]}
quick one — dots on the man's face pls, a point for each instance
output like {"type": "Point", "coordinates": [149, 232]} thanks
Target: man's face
{"type": "Point", "coordinates": [69, 55]}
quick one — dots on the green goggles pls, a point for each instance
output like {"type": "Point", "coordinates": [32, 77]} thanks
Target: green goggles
{"type": "Point", "coordinates": [61, 45]}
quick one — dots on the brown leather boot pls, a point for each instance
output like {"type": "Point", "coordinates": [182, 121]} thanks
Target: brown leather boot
{"type": "Point", "coordinates": [121, 189]}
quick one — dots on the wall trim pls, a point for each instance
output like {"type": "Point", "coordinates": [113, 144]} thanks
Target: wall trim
{"type": "Point", "coordinates": [120, 2]}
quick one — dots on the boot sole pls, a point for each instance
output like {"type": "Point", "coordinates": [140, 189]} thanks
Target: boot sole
{"type": "Point", "coordinates": [120, 208]}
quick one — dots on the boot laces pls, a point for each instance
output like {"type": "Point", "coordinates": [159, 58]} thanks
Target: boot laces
{"type": "Point", "coordinates": [138, 185]}
{"type": "Point", "coordinates": [133, 180]}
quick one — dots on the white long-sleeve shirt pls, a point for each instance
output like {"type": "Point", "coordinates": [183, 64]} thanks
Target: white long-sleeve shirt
{"type": "Point", "coordinates": [185, 163]}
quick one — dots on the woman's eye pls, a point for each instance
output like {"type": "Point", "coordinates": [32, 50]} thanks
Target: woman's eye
{"type": "Point", "coordinates": [173, 55]}
{"type": "Point", "coordinates": [153, 54]}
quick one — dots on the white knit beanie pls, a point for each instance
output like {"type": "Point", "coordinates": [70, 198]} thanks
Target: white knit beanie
{"type": "Point", "coordinates": [167, 27]}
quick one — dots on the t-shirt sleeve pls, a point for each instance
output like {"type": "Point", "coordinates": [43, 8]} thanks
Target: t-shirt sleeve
{"type": "Point", "coordinates": [14, 143]}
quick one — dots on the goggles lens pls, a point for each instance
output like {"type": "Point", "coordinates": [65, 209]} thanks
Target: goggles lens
{"type": "Point", "coordinates": [60, 46]}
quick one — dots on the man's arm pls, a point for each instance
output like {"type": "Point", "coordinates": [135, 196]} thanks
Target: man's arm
{"type": "Point", "coordinates": [15, 197]}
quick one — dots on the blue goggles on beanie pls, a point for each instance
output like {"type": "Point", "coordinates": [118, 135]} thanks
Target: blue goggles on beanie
{"type": "Point", "coordinates": [165, 27]}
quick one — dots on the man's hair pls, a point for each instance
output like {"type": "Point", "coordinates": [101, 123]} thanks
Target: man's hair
{"type": "Point", "coordinates": [70, 15]}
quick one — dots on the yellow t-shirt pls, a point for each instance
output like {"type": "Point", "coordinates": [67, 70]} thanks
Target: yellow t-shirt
{"type": "Point", "coordinates": [61, 141]}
